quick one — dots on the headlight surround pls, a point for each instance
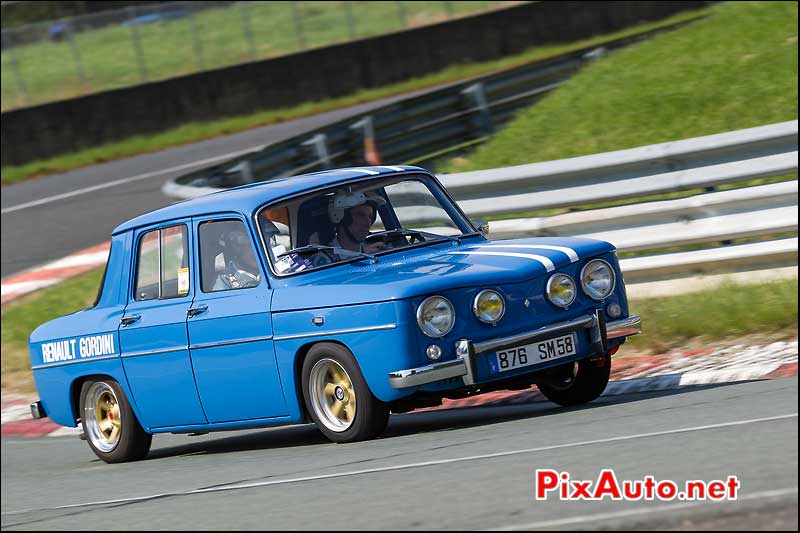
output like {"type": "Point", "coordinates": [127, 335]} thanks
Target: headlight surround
{"type": "Point", "coordinates": [561, 290]}
{"type": "Point", "coordinates": [436, 316]}
{"type": "Point", "coordinates": [598, 279]}
{"type": "Point", "coordinates": [489, 306]}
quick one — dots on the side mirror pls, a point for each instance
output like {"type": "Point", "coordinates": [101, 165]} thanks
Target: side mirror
{"type": "Point", "coordinates": [482, 226]}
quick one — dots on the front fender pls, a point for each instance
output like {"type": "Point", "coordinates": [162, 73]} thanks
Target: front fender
{"type": "Point", "coordinates": [377, 334]}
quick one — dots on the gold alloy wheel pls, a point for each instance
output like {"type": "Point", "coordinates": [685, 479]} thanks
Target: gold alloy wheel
{"type": "Point", "coordinates": [332, 395]}
{"type": "Point", "coordinates": [103, 421]}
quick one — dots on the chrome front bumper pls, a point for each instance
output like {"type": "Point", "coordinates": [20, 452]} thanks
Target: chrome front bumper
{"type": "Point", "coordinates": [37, 410]}
{"type": "Point", "coordinates": [464, 365]}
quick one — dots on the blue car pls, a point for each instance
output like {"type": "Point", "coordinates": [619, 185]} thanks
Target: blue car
{"type": "Point", "coordinates": [335, 297]}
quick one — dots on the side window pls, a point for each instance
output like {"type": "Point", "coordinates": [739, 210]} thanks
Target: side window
{"type": "Point", "coordinates": [147, 287]}
{"type": "Point", "coordinates": [162, 261]}
{"type": "Point", "coordinates": [227, 259]}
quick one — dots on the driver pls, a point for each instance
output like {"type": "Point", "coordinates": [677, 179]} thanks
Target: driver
{"type": "Point", "coordinates": [354, 213]}
{"type": "Point", "coordinates": [241, 267]}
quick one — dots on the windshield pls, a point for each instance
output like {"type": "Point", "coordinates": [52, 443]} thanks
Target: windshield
{"type": "Point", "coordinates": [356, 221]}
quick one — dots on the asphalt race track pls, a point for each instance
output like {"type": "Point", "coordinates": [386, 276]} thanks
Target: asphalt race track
{"type": "Point", "coordinates": [51, 217]}
{"type": "Point", "coordinates": [466, 468]}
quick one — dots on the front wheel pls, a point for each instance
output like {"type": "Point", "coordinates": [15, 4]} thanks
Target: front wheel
{"type": "Point", "coordinates": [112, 430]}
{"type": "Point", "coordinates": [338, 398]}
{"type": "Point", "coordinates": [577, 383]}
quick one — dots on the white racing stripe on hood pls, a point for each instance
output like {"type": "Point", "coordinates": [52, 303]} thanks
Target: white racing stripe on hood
{"type": "Point", "coordinates": [572, 254]}
{"type": "Point", "coordinates": [365, 171]}
{"type": "Point", "coordinates": [546, 263]}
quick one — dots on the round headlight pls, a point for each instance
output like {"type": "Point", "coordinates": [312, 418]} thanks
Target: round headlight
{"type": "Point", "coordinates": [435, 316]}
{"type": "Point", "coordinates": [489, 306]}
{"type": "Point", "coordinates": [597, 279]}
{"type": "Point", "coordinates": [561, 290]}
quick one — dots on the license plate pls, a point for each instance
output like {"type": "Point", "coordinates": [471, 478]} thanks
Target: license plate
{"type": "Point", "coordinates": [534, 354]}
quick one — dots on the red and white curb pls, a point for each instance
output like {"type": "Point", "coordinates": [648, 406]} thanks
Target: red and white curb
{"type": "Point", "coordinates": [54, 272]}
{"type": "Point", "coordinates": [643, 374]}
{"type": "Point", "coordinates": [670, 371]}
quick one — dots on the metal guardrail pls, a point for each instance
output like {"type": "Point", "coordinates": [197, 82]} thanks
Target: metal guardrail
{"type": "Point", "coordinates": [405, 131]}
{"type": "Point", "coordinates": [713, 217]}
{"type": "Point", "coordinates": [762, 212]}
{"type": "Point", "coordinates": [416, 130]}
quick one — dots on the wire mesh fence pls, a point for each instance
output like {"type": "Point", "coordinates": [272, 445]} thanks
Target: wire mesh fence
{"type": "Point", "coordinates": [69, 57]}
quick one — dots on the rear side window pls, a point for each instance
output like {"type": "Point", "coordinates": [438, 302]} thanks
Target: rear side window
{"type": "Point", "coordinates": [162, 264]}
{"type": "Point", "coordinates": [227, 259]}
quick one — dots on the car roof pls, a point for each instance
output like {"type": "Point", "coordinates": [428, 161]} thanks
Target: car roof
{"type": "Point", "coordinates": [247, 198]}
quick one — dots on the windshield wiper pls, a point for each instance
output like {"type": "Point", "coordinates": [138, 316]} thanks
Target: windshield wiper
{"type": "Point", "coordinates": [397, 232]}
{"type": "Point", "coordinates": [452, 238]}
{"type": "Point", "coordinates": [309, 249]}
{"type": "Point", "coordinates": [423, 236]}
{"type": "Point", "coordinates": [365, 255]}
{"type": "Point", "coordinates": [465, 235]}
{"type": "Point", "coordinates": [315, 248]}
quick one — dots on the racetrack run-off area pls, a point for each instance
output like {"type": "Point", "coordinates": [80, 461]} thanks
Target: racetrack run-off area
{"type": "Point", "coordinates": [54, 272]}
{"type": "Point", "coordinates": [629, 375]}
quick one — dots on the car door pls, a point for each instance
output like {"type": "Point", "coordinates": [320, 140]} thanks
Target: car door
{"type": "Point", "coordinates": [230, 325]}
{"type": "Point", "coordinates": [152, 332]}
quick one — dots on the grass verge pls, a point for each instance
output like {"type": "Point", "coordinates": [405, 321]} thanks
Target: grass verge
{"type": "Point", "coordinates": [722, 314]}
{"type": "Point", "coordinates": [719, 315]}
{"type": "Point", "coordinates": [203, 130]}
{"type": "Point", "coordinates": [735, 69]}
{"type": "Point", "coordinates": [22, 315]}
{"type": "Point", "coordinates": [102, 59]}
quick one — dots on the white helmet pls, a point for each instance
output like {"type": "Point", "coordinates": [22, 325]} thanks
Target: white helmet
{"type": "Point", "coordinates": [346, 199]}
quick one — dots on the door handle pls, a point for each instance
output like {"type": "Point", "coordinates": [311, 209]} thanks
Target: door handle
{"type": "Point", "coordinates": [128, 320]}
{"type": "Point", "coordinates": [196, 311]}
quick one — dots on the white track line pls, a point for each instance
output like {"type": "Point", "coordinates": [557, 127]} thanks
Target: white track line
{"type": "Point", "coordinates": [121, 181]}
{"type": "Point", "coordinates": [548, 524]}
{"type": "Point", "coordinates": [406, 466]}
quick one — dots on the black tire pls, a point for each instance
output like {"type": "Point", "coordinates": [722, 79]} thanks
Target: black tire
{"type": "Point", "coordinates": [351, 416]}
{"type": "Point", "coordinates": [577, 383]}
{"type": "Point", "coordinates": [112, 430]}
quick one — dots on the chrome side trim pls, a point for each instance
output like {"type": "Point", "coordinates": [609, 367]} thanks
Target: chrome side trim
{"type": "Point", "coordinates": [334, 332]}
{"type": "Point", "coordinates": [155, 352]}
{"type": "Point", "coordinates": [228, 343]}
{"type": "Point", "coordinates": [85, 360]}
{"type": "Point", "coordinates": [624, 327]}
{"type": "Point", "coordinates": [586, 321]}
{"type": "Point", "coordinates": [427, 374]}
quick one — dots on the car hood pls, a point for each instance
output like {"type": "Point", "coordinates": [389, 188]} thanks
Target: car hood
{"type": "Point", "coordinates": [430, 269]}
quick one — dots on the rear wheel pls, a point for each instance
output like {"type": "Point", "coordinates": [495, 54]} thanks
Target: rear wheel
{"type": "Point", "coordinates": [338, 398]}
{"type": "Point", "coordinates": [112, 430]}
{"type": "Point", "coordinates": [577, 383]}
